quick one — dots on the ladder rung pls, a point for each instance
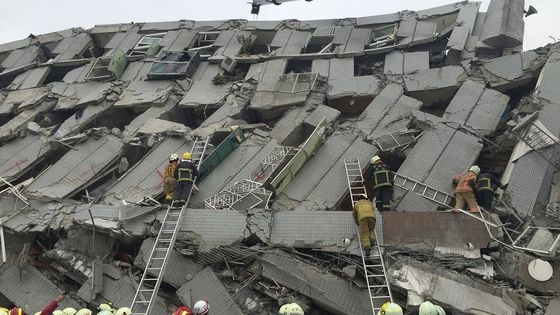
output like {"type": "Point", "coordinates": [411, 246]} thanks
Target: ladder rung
{"type": "Point", "coordinates": [168, 231]}
{"type": "Point", "coordinates": [377, 275]}
{"type": "Point", "coordinates": [378, 286]}
{"type": "Point", "coordinates": [381, 297]}
{"type": "Point", "coordinates": [374, 265]}
{"type": "Point", "coordinates": [165, 240]}
{"type": "Point", "coordinates": [158, 258]}
{"type": "Point", "coordinates": [154, 268]}
{"type": "Point", "coordinates": [162, 248]}
{"type": "Point", "coordinates": [146, 290]}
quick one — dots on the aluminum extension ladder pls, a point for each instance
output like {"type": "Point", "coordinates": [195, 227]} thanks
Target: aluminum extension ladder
{"type": "Point", "coordinates": [374, 266]}
{"type": "Point", "coordinates": [152, 277]}
{"type": "Point", "coordinates": [422, 189]}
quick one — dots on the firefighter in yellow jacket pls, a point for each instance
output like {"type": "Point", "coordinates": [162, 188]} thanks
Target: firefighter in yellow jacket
{"type": "Point", "coordinates": [364, 217]}
{"type": "Point", "coordinates": [169, 180]}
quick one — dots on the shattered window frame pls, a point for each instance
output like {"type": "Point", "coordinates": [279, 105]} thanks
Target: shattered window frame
{"type": "Point", "coordinates": [412, 135]}
{"type": "Point", "coordinates": [143, 49]}
{"type": "Point", "coordinates": [302, 82]}
{"type": "Point", "coordinates": [383, 40]}
{"type": "Point", "coordinates": [322, 36]}
{"type": "Point", "coordinates": [171, 64]}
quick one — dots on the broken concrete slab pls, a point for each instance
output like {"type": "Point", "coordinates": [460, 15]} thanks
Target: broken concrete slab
{"type": "Point", "coordinates": [77, 168]}
{"type": "Point", "coordinates": [332, 293]}
{"type": "Point", "coordinates": [504, 24]}
{"type": "Point", "coordinates": [434, 85]}
{"type": "Point", "coordinates": [422, 282]}
{"type": "Point", "coordinates": [314, 229]}
{"type": "Point", "coordinates": [145, 93]}
{"type": "Point", "coordinates": [79, 94]}
{"type": "Point", "coordinates": [465, 23]}
{"type": "Point", "coordinates": [159, 126]}
{"type": "Point", "coordinates": [21, 154]}
{"type": "Point", "coordinates": [81, 119]}
{"type": "Point", "coordinates": [383, 113]}
{"type": "Point", "coordinates": [20, 100]}
{"type": "Point", "coordinates": [512, 71]}
{"type": "Point", "coordinates": [399, 62]}
{"type": "Point", "coordinates": [447, 229]}
{"type": "Point", "coordinates": [478, 107]}
{"type": "Point", "coordinates": [30, 79]}
{"type": "Point", "coordinates": [29, 288]}
{"type": "Point", "coordinates": [11, 128]}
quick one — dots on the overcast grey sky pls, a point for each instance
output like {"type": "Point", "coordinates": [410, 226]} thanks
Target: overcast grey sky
{"type": "Point", "coordinates": [19, 18]}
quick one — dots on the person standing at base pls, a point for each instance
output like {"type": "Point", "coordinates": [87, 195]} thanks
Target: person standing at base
{"type": "Point", "coordinates": [185, 174]}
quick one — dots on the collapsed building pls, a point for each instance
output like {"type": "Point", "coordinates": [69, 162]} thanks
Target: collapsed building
{"type": "Point", "coordinates": [88, 119]}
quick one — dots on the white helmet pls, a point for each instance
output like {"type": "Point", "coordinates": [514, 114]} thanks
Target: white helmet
{"type": "Point", "coordinates": [58, 312]}
{"type": "Point", "coordinates": [390, 309]}
{"type": "Point", "coordinates": [69, 311]}
{"type": "Point", "coordinates": [84, 311]}
{"type": "Point", "coordinates": [291, 309]}
{"type": "Point", "coordinates": [427, 308]}
{"type": "Point", "coordinates": [105, 312]}
{"type": "Point", "coordinates": [475, 169]}
{"type": "Point", "coordinates": [201, 308]}
{"type": "Point", "coordinates": [123, 311]}
{"type": "Point", "coordinates": [174, 157]}
{"type": "Point", "coordinates": [375, 159]}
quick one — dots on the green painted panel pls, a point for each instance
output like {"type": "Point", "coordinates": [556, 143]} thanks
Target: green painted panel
{"type": "Point", "coordinates": [313, 143]}
{"type": "Point", "coordinates": [117, 63]}
{"type": "Point", "coordinates": [227, 146]}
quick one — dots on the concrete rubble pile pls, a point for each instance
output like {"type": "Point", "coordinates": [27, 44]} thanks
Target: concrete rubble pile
{"type": "Point", "coordinates": [89, 118]}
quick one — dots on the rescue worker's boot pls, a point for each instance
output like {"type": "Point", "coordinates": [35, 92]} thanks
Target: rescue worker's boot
{"type": "Point", "coordinates": [367, 251]}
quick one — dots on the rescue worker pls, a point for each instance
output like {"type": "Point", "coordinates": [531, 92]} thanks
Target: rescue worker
{"type": "Point", "coordinates": [364, 217]}
{"type": "Point", "coordinates": [185, 174]}
{"type": "Point", "coordinates": [169, 177]}
{"type": "Point", "coordinates": [390, 309]}
{"type": "Point", "coordinates": [291, 309]}
{"type": "Point", "coordinates": [427, 308]}
{"type": "Point", "coordinates": [4, 311]}
{"type": "Point", "coordinates": [201, 308]}
{"type": "Point", "coordinates": [486, 186]}
{"type": "Point", "coordinates": [183, 310]}
{"type": "Point", "coordinates": [123, 311]}
{"type": "Point", "coordinates": [465, 187]}
{"type": "Point", "coordinates": [380, 174]}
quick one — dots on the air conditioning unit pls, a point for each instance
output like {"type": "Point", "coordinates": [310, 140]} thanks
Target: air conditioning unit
{"type": "Point", "coordinates": [228, 64]}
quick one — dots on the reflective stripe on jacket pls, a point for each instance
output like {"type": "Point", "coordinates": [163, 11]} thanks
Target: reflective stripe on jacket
{"type": "Point", "coordinates": [185, 171]}
{"type": "Point", "coordinates": [464, 182]}
{"type": "Point", "coordinates": [363, 209]}
{"type": "Point", "coordinates": [381, 176]}
{"type": "Point", "coordinates": [484, 184]}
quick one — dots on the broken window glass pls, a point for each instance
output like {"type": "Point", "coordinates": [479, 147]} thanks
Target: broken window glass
{"type": "Point", "coordinates": [174, 64]}
{"type": "Point", "coordinates": [108, 68]}
{"type": "Point", "coordinates": [321, 40]}
{"type": "Point", "coordinates": [148, 45]}
{"type": "Point", "coordinates": [383, 36]}
{"type": "Point", "coordinates": [295, 82]}
{"type": "Point", "coordinates": [396, 139]}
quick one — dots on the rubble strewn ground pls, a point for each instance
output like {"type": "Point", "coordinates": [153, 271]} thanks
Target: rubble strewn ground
{"type": "Point", "coordinates": [88, 119]}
